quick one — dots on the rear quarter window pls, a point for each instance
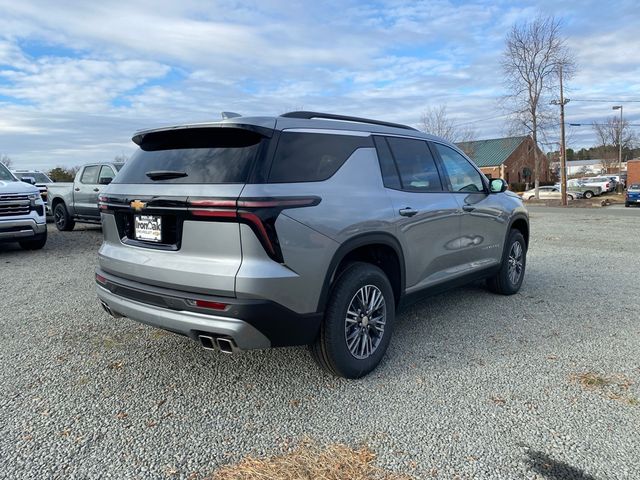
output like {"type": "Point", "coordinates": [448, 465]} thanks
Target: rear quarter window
{"type": "Point", "coordinates": [312, 157]}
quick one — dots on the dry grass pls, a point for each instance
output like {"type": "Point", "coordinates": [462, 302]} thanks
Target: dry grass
{"type": "Point", "coordinates": [614, 387]}
{"type": "Point", "coordinates": [309, 461]}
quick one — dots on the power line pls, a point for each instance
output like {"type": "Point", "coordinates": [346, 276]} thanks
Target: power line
{"type": "Point", "coordinates": [604, 100]}
{"type": "Point", "coordinates": [482, 119]}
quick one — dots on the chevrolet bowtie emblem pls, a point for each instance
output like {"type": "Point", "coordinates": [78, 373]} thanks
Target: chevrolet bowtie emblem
{"type": "Point", "coordinates": [137, 205]}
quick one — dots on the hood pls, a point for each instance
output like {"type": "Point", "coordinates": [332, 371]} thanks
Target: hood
{"type": "Point", "coordinates": [17, 187]}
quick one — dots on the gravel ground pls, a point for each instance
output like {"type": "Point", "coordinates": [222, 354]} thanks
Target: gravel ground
{"type": "Point", "coordinates": [473, 385]}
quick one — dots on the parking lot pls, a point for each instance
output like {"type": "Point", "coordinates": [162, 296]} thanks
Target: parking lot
{"type": "Point", "coordinates": [543, 384]}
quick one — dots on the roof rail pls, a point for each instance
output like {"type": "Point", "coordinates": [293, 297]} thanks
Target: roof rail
{"type": "Point", "coordinates": [331, 116]}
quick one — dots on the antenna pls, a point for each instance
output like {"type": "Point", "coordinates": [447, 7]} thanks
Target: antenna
{"type": "Point", "coordinates": [227, 115]}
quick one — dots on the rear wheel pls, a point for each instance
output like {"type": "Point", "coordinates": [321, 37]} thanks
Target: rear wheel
{"type": "Point", "coordinates": [358, 322]}
{"type": "Point", "coordinates": [509, 278]}
{"type": "Point", "coordinates": [36, 244]}
{"type": "Point", "coordinates": [570, 197]}
{"type": "Point", "coordinates": [626, 204]}
{"type": "Point", "coordinates": [62, 219]}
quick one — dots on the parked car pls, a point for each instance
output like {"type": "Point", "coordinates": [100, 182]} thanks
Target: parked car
{"type": "Point", "coordinates": [22, 212]}
{"type": "Point", "coordinates": [78, 201]}
{"type": "Point", "coordinates": [633, 195]}
{"type": "Point", "coordinates": [42, 181]}
{"type": "Point", "coordinates": [550, 193]}
{"type": "Point", "coordinates": [307, 228]}
{"type": "Point", "coordinates": [588, 191]}
{"type": "Point", "coordinates": [604, 183]}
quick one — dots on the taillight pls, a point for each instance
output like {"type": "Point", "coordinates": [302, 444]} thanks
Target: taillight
{"type": "Point", "coordinates": [259, 213]}
{"type": "Point", "coordinates": [100, 279]}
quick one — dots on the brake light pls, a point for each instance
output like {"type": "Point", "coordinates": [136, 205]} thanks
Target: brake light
{"type": "Point", "coordinates": [259, 213]}
{"type": "Point", "coordinates": [210, 305]}
{"type": "Point", "coordinates": [100, 279]}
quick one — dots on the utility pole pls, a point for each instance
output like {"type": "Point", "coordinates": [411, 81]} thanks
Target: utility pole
{"type": "Point", "coordinates": [563, 150]}
{"type": "Point", "coordinates": [619, 186]}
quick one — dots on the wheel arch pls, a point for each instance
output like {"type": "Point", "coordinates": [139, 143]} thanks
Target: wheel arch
{"type": "Point", "coordinates": [380, 249]}
{"type": "Point", "coordinates": [521, 223]}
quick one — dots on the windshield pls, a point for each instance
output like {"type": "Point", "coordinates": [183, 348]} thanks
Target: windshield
{"type": "Point", "coordinates": [38, 176]}
{"type": "Point", "coordinates": [635, 186]}
{"type": "Point", "coordinates": [5, 174]}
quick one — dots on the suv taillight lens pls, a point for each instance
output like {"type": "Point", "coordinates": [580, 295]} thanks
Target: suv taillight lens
{"type": "Point", "coordinates": [259, 213]}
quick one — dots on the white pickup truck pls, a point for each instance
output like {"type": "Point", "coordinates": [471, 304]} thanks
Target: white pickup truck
{"type": "Point", "coordinates": [22, 211]}
{"type": "Point", "coordinates": [78, 201]}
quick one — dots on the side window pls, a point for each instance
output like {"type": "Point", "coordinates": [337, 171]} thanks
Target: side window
{"type": "Point", "coordinates": [90, 175]}
{"type": "Point", "coordinates": [462, 176]}
{"type": "Point", "coordinates": [390, 176]}
{"type": "Point", "coordinates": [106, 172]}
{"type": "Point", "coordinates": [417, 168]}
{"type": "Point", "coordinates": [312, 157]}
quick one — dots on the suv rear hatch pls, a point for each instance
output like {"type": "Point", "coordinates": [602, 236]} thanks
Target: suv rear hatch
{"type": "Point", "coordinates": [171, 212]}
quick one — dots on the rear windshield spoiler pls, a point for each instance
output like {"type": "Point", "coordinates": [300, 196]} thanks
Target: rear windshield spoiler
{"type": "Point", "coordinates": [139, 137]}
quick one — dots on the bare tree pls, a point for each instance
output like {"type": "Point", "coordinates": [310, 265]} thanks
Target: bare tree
{"type": "Point", "coordinates": [533, 53]}
{"type": "Point", "coordinates": [610, 134]}
{"type": "Point", "coordinates": [436, 121]}
{"type": "Point", "coordinates": [121, 158]}
{"type": "Point", "coordinates": [6, 160]}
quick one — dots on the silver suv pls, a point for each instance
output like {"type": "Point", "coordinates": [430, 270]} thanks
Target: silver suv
{"type": "Point", "coordinates": [307, 228]}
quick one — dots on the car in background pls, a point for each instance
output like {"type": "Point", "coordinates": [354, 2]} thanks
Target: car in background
{"type": "Point", "coordinates": [578, 187]}
{"type": "Point", "coordinates": [42, 181]}
{"type": "Point", "coordinates": [78, 201]}
{"type": "Point", "coordinates": [22, 214]}
{"type": "Point", "coordinates": [604, 183]}
{"type": "Point", "coordinates": [550, 193]}
{"type": "Point", "coordinates": [633, 195]}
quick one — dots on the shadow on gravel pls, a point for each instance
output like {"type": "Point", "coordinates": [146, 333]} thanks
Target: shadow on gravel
{"type": "Point", "coordinates": [546, 466]}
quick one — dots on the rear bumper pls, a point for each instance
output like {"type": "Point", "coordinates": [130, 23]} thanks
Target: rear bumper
{"type": "Point", "coordinates": [250, 324]}
{"type": "Point", "coordinates": [20, 229]}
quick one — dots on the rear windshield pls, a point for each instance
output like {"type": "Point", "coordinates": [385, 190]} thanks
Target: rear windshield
{"type": "Point", "coordinates": [39, 177]}
{"type": "Point", "coordinates": [201, 155]}
{"type": "Point", "coordinates": [635, 186]}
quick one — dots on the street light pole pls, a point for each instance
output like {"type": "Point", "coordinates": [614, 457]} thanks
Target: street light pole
{"type": "Point", "coordinates": [619, 107]}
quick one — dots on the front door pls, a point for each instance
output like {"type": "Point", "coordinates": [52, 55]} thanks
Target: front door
{"type": "Point", "coordinates": [484, 220]}
{"type": "Point", "coordinates": [86, 191]}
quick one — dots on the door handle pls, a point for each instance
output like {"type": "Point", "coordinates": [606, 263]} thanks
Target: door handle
{"type": "Point", "coordinates": [77, 189]}
{"type": "Point", "coordinates": [96, 189]}
{"type": "Point", "coordinates": [468, 208]}
{"type": "Point", "coordinates": [407, 212]}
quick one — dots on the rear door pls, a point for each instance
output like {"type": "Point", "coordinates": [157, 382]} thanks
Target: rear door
{"type": "Point", "coordinates": [170, 215]}
{"type": "Point", "coordinates": [426, 215]}
{"type": "Point", "coordinates": [85, 195]}
{"type": "Point", "coordinates": [484, 220]}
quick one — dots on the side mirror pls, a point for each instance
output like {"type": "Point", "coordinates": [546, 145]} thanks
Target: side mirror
{"type": "Point", "coordinates": [29, 180]}
{"type": "Point", "coordinates": [104, 180]}
{"type": "Point", "coordinates": [498, 185]}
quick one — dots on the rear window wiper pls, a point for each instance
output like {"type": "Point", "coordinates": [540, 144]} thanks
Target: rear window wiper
{"type": "Point", "coordinates": [165, 174]}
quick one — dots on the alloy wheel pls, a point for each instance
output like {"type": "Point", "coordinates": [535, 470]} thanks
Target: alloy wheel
{"type": "Point", "coordinates": [515, 263]}
{"type": "Point", "coordinates": [365, 321]}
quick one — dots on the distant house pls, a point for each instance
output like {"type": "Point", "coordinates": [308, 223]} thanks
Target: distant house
{"type": "Point", "coordinates": [510, 158]}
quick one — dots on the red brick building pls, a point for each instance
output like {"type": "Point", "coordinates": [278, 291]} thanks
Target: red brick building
{"type": "Point", "coordinates": [633, 171]}
{"type": "Point", "coordinates": [510, 158]}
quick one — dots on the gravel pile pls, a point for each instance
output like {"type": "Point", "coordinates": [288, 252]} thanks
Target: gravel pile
{"type": "Point", "coordinates": [543, 384]}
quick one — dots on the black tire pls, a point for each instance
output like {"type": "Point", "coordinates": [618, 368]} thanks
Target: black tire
{"type": "Point", "coordinates": [36, 244]}
{"type": "Point", "coordinates": [588, 194]}
{"type": "Point", "coordinates": [62, 219]}
{"type": "Point", "coordinates": [570, 197]}
{"type": "Point", "coordinates": [626, 204]}
{"type": "Point", "coordinates": [330, 350]}
{"type": "Point", "coordinates": [502, 283]}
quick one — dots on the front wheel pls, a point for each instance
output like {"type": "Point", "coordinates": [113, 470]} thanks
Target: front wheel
{"type": "Point", "coordinates": [62, 219]}
{"type": "Point", "coordinates": [358, 322]}
{"type": "Point", "coordinates": [509, 278]}
{"type": "Point", "coordinates": [588, 194]}
{"type": "Point", "coordinates": [35, 244]}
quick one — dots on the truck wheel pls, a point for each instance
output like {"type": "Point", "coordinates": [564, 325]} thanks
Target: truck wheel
{"type": "Point", "coordinates": [514, 261]}
{"type": "Point", "coordinates": [358, 322]}
{"type": "Point", "coordinates": [36, 244]}
{"type": "Point", "coordinates": [588, 194]}
{"type": "Point", "coordinates": [62, 219]}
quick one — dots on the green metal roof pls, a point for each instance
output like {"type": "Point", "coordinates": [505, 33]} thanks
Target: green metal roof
{"type": "Point", "coordinates": [493, 152]}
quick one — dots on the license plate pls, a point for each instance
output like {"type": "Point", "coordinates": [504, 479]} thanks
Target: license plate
{"type": "Point", "coordinates": [148, 228]}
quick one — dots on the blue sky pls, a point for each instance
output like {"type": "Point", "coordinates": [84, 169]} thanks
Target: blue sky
{"type": "Point", "coordinates": [76, 80]}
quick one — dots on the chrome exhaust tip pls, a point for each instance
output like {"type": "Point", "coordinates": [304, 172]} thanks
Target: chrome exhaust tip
{"type": "Point", "coordinates": [107, 309]}
{"type": "Point", "coordinates": [226, 345]}
{"type": "Point", "coordinates": [207, 342]}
